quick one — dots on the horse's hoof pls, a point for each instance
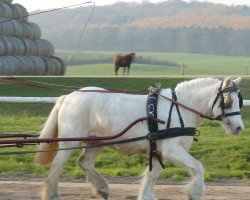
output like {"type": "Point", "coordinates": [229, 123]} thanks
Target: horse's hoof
{"type": "Point", "coordinates": [190, 197]}
{"type": "Point", "coordinates": [104, 195]}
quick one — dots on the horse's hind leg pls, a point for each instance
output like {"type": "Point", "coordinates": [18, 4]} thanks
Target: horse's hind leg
{"type": "Point", "coordinates": [128, 70]}
{"type": "Point", "coordinates": [181, 156]}
{"type": "Point", "coordinates": [50, 189]}
{"type": "Point", "coordinates": [86, 162]}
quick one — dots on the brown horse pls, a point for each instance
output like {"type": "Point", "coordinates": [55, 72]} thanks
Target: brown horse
{"type": "Point", "coordinates": [123, 61]}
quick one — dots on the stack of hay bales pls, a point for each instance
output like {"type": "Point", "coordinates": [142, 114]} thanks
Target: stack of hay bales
{"type": "Point", "coordinates": [22, 51]}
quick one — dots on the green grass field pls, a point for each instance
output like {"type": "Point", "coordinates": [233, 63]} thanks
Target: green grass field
{"type": "Point", "coordinates": [223, 156]}
{"type": "Point", "coordinates": [197, 65]}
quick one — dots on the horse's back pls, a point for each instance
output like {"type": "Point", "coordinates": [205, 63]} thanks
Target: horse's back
{"type": "Point", "coordinates": [117, 60]}
{"type": "Point", "coordinates": [100, 113]}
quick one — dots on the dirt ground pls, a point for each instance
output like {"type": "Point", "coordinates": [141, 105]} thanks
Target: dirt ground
{"type": "Point", "coordinates": [121, 189]}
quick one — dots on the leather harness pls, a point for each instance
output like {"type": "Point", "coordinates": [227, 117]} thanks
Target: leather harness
{"type": "Point", "coordinates": [154, 133]}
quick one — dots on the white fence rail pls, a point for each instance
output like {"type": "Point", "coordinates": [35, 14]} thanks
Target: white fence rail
{"type": "Point", "coordinates": [51, 100]}
{"type": "Point", "coordinates": [28, 99]}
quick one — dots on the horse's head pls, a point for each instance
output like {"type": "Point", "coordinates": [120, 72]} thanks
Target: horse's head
{"type": "Point", "coordinates": [132, 57]}
{"type": "Point", "coordinates": [226, 106]}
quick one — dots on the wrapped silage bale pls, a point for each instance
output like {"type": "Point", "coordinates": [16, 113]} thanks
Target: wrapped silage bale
{"type": "Point", "coordinates": [11, 46]}
{"type": "Point", "coordinates": [5, 10]}
{"type": "Point", "coordinates": [22, 51]}
{"type": "Point", "coordinates": [60, 67]}
{"type": "Point", "coordinates": [7, 1]}
{"type": "Point", "coordinates": [6, 27]}
{"type": "Point", "coordinates": [19, 12]}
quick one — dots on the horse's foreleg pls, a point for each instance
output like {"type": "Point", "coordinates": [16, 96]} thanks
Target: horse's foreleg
{"type": "Point", "coordinates": [86, 162]}
{"type": "Point", "coordinates": [124, 70]}
{"type": "Point", "coordinates": [148, 181]}
{"type": "Point", "coordinates": [182, 157]}
{"type": "Point", "coordinates": [128, 70]}
{"type": "Point", "coordinates": [50, 189]}
{"type": "Point", "coordinates": [116, 70]}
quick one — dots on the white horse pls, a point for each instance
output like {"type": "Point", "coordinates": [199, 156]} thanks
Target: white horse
{"type": "Point", "coordinates": [83, 114]}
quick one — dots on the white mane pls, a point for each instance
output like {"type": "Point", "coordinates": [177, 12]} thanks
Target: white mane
{"type": "Point", "coordinates": [200, 82]}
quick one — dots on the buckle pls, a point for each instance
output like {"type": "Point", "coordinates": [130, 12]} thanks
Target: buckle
{"type": "Point", "coordinates": [152, 136]}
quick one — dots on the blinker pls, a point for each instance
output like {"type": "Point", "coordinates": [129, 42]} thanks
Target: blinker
{"type": "Point", "coordinates": [227, 100]}
{"type": "Point", "coordinates": [240, 100]}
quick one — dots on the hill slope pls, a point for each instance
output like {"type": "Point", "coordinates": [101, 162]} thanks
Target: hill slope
{"type": "Point", "coordinates": [173, 26]}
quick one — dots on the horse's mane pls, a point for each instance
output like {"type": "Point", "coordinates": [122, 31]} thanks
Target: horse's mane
{"type": "Point", "coordinates": [200, 82]}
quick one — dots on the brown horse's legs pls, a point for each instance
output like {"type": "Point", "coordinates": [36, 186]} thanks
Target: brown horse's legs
{"type": "Point", "coordinates": [124, 70]}
{"type": "Point", "coordinates": [128, 70]}
{"type": "Point", "coordinates": [116, 70]}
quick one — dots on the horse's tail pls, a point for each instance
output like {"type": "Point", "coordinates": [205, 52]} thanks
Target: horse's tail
{"type": "Point", "coordinates": [50, 130]}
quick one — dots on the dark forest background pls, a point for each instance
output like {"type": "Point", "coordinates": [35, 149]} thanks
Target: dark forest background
{"type": "Point", "coordinates": [172, 26]}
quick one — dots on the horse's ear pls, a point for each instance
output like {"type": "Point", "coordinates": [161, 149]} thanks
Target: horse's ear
{"type": "Point", "coordinates": [237, 80]}
{"type": "Point", "coordinates": [226, 82]}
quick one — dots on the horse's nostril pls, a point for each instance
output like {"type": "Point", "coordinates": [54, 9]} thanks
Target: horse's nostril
{"type": "Point", "coordinates": [238, 129]}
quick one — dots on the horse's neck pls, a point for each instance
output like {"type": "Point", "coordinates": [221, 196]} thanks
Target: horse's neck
{"type": "Point", "coordinates": [198, 95]}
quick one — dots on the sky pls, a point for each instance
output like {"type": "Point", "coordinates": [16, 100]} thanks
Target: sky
{"type": "Point", "coordinates": [32, 5]}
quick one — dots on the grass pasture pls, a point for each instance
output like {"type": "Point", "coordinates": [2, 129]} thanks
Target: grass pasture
{"type": "Point", "coordinates": [223, 156]}
{"type": "Point", "coordinates": [197, 65]}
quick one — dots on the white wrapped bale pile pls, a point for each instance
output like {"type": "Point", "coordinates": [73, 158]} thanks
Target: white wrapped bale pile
{"type": "Point", "coordinates": [22, 51]}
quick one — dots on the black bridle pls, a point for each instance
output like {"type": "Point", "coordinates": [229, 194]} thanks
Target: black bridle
{"type": "Point", "coordinates": [220, 95]}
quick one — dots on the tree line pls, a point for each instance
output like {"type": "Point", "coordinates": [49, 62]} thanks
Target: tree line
{"type": "Point", "coordinates": [141, 27]}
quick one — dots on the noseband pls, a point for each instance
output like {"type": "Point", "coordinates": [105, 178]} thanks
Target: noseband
{"type": "Point", "coordinates": [234, 88]}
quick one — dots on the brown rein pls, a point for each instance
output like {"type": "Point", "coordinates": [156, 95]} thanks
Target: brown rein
{"type": "Point", "coordinates": [21, 142]}
{"type": "Point", "coordinates": [45, 86]}
{"type": "Point", "coordinates": [187, 108]}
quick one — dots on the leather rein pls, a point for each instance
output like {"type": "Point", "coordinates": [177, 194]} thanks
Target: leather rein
{"type": "Point", "coordinates": [149, 136]}
{"type": "Point", "coordinates": [234, 88]}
